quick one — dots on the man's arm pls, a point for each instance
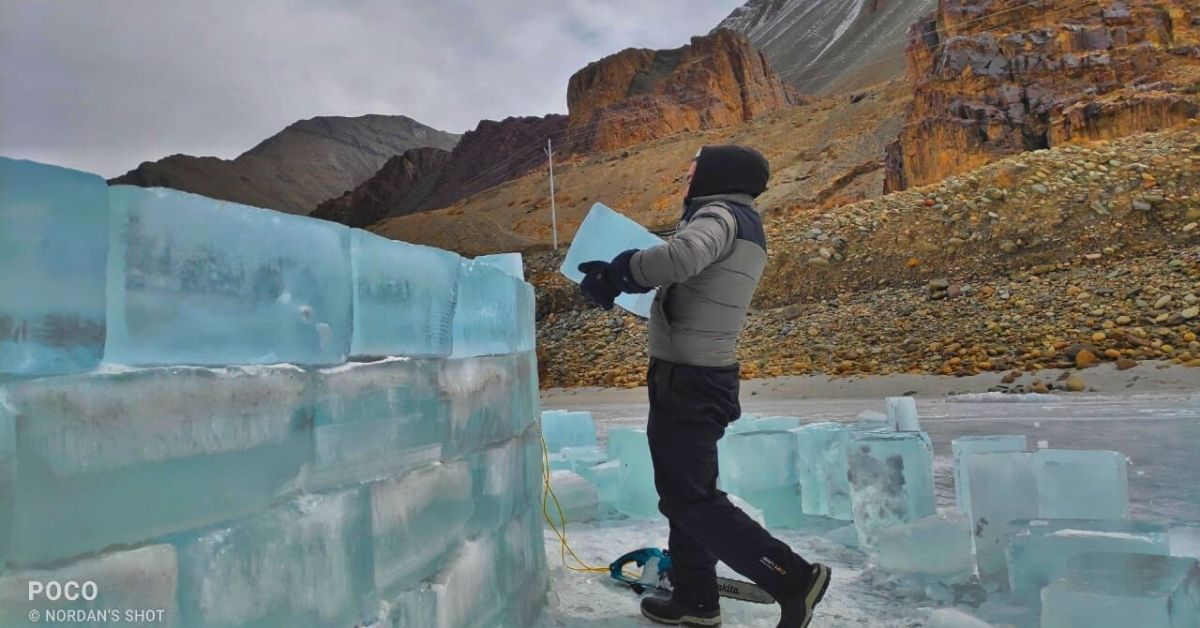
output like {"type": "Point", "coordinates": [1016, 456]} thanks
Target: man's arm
{"type": "Point", "coordinates": [703, 241]}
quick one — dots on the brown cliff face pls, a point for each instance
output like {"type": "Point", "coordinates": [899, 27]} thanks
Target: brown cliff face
{"type": "Point", "coordinates": [425, 179]}
{"type": "Point", "coordinates": [397, 189]}
{"type": "Point", "coordinates": [998, 78]}
{"type": "Point", "coordinates": [639, 95]}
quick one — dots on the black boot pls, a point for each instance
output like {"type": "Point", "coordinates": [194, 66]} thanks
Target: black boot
{"type": "Point", "coordinates": [668, 611]}
{"type": "Point", "coordinates": [798, 609]}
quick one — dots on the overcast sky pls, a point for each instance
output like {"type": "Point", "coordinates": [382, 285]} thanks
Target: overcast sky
{"type": "Point", "coordinates": [104, 85]}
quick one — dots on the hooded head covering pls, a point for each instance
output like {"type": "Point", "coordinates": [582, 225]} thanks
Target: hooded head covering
{"type": "Point", "coordinates": [728, 169]}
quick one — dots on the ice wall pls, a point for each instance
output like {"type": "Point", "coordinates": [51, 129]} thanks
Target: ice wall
{"type": "Point", "coordinates": [242, 418]}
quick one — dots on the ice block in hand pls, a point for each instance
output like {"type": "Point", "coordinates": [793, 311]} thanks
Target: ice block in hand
{"type": "Point", "coordinates": [1125, 590]}
{"type": "Point", "coordinates": [603, 234]}
{"type": "Point", "coordinates": [404, 296]}
{"type": "Point", "coordinates": [53, 247]}
{"type": "Point", "coordinates": [194, 280]}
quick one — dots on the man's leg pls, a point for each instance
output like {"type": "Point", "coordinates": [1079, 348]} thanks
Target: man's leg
{"type": "Point", "coordinates": [690, 407]}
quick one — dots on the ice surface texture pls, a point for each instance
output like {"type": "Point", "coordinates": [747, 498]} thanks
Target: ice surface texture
{"type": "Point", "coordinates": [822, 470]}
{"type": "Point", "coordinates": [964, 447]}
{"type": "Point", "coordinates": [891, 481]}
{"type": "Point", "coordinates": [902, 414]}
{"type": "Point", "coordinates": [937, 546]}
{"type": "Point", "coordinates": [197, 281]}
{"type": "Point", "coordinates": [760, 467]}
{"type": "Point", "coordinates": [601, 236]}
{"type": "Point", "coordinates": [495, 312]}
{"type": "Point", "coordinates": [1039, 553]}
{"type": "Point", "coordinates": [1119, 590]}
{"type": "Point", "coordinates": [561, 429]}
{"type": "Point", "coordinates": [53, 247]}
{"type": "Point", "coordinates": [510, 263]}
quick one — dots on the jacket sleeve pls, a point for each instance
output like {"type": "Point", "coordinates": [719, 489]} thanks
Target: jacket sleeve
{"type": "Point", "coordinates": [706, 239]}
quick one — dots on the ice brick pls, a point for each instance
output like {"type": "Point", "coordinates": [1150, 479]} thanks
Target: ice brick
{"type": "Point", "coordinates": [966, 446]}
{"type": "Point", "coordinates": [891, 480]}
{"type": "Point", "coordinates": [494, 314]}
{"type": "Point", "coordinates": [375, 420]}
{"type": "Point", "coordinates": [561, 429]}
{"type": "Point", "coordinates": [902, 414]}
{"type": "Point", "coordinates": [122, 458]}
{"type": "Point", "coordinates": [304, 563]}
{"type": "Point", "coordinates": [1081, 484]}
{"type": "Point", "coordinates": [760, 467]}
{"type": "Point", "coordinates": [1124, 590]}
{"type": "Point", "coordinates": [191, 282]}
{"type": "Point", "coordinates": [415, 520]}
{"type": "Point", "coordinates": [822, 470]}
{"type": "Point", "coordinates": [607, 479]}
{"type": "Point", "coordinates": [468, 591]}
{"type": "Point", "coordinates": [53, 247]}
{"type": "Point", "coordinates": [522, 568]}
{"type": "Point", "coordinates": [142, 578]}
{"type": "Point", "coordinates": [489, 399]}
{"type": "Point", "coordinates": [510, 263]}
{"type": "Point", "coordinates": [938, 547]}
{"type": "Point", "coordinates": [574, 496]}
{"type": "Point", "coordinates": [1003, 489]}
{"type": "Point", "coordinates": [580, 459]}
{"type": "Point", "coordinates": [498, 479]}
{"type": "Point", "coordinates": [602, 235]}
{"type": "Point", "coordinates": [636, 495]}
{"type": "Point", "coordinates": [750, 423]}
{"type": "Point", "coordinates": [1039, 552]}
{"type": "Point", "coordinates": [404, 297]}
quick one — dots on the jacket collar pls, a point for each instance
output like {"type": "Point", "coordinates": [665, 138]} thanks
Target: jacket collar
{"type": "Point", "coordinates": [700, 201]}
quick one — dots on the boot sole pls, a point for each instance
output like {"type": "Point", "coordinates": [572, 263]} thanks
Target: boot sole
{"type": "Point", "coordinates": [817, 593]}
{"type": "Point", "coordinates": [687, 620]}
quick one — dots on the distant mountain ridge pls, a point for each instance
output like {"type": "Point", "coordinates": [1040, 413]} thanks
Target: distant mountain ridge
{"type": "Point", "coordinates": [821, 46]}
{"type": "Point", "coordinates": [296, 169]}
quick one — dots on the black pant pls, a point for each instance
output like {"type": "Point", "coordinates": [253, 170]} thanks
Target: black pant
{"type": "Point", "coordinates": [690, 406]}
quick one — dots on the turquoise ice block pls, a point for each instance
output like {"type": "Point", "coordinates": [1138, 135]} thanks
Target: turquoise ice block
{"type": "Point", "coordinates": [142, 578]}
{"type": "Point", "coordinates": [606, 477]}
{"type": "Point", "coordinates": [510, 263]}
{"type": "Point", "coordinates": [53, 247]}
{"type": "Point", "coordinates": [750, 423]}
{"type": "Point", "coordinates": [1003, 489]}
{"type": "Point", "coordinates": [636, 495]}
{"type": "Point", "coordinates": [760, 467]}
{"type": "Point", "coordinates": [193, 280]}
{"type": "Point", "coordinates": [1124, 590]}
{"type": "Point", "coordinates": [891, 481]}
{"type": "Point", "coordinates": [375, 420]}
{"type": "Point", "coordinates": [1074, 484]}
{"type": "Point", "coordinates": [494, 314]}
{"type": "Point", "coordinates": [404, 297]}
{"type": "Point", "coordinates": [498, 481]}
{"type": "Point", "coordinates": [938, 547]}
{"type": "Point", "coordinates": [576, 497]}
{"type": "Point", "coordinates": [303, 563]}
{"type": "Point", "coordinates": [601, 236]}
{"type": "Point", "coordinates": [1039, 552]}
{"type": "Point", "coordinates": [123, 458]}
{"type": "Point", "coordinates": [964, 447]}
{"type": "Point", "coordinates": [822, 470]}
{"type": "Point", "coordinates": [415, 520]}
{"type": "Point", "coordinates": [488, 400]}
{"type": "Point", "coordinates": [562, 428]}
{"type": "Point", "coordinates": [580, 459]}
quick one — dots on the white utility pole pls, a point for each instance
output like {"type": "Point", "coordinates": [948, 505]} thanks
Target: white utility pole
{"type": "Point", "coordinates": [553, 208]}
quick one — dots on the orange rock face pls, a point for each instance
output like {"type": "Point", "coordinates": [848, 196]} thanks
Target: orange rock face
{"type": "Point", "coordinates": [638, 95]}
{"type": "Point", "coordinates": [996, 78]}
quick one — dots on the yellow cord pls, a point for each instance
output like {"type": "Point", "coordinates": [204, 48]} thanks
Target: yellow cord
{"type": "Point", "coordinates": [560, 528]}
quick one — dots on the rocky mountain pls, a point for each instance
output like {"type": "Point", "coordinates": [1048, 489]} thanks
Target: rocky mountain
{"type": "Point", "coordinates": [399, 188]}
{"type": "Point", "coordinates": [296, 169]}
{"type": "Point", "coordinates": [821, 46]}
{"type": "Point", "coordinates": [428, 178]}
{"type": "Point", "coordinates": [1008, 76]}
{"type": "Point", "coordinates": [638, 95]}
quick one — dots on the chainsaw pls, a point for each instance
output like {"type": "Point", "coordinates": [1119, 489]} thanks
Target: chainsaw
{"type": "Point", "coordinates": [656, 576]}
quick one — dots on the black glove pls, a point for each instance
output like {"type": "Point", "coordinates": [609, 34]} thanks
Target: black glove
{"type": "Point", "coordinates": [595, 286]}
{"type": "Point", "coordinates": [604, 281]}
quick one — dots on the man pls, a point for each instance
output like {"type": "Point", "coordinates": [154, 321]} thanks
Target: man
{"type": "Point", "coordinates": [706, 276]}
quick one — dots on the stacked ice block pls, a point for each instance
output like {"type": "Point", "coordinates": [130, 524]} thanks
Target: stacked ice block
{"type": "Point", "coordinates": [601, 236]}
{"type": "Point", "coordinates": [228, 465]}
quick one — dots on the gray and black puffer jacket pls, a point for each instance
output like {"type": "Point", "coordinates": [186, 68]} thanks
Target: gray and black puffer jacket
{"type": "Point", "coordinates": [706, 275]}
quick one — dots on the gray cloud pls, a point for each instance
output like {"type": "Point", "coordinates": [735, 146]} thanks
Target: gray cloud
{"type": "Point", "coordinates": [103, 86]}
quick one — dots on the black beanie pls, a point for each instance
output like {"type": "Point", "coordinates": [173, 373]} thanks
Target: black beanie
{"type": "Point", "coordinates": [729, 169]}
